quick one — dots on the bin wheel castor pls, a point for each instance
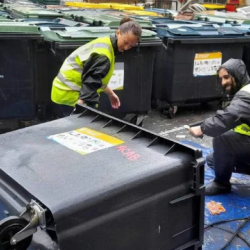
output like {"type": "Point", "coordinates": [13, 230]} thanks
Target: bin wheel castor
{"type": "Point", "coordinates": [170, 112]}
{"type": "Point", "coordinates": [8, 228]}
{"type": "Point", "coordinates": [137, 120]}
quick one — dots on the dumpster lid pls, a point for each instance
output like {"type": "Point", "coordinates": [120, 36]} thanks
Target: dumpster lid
{"type": "Point", "coordinates": [58, 22]}
{"type": "Point", "coordinates": [34, 11]}
{"type": "Point", "coordinates": [17, 29]}
{"type": "Point", "coordinates": [5, 19]}
{"type": "Point", "coordinates": [72, 164]}
{"type": "Point", "coordinates": [101, 19]}
{"type": "Point", "coordinates": [74, 36]}
{"type": "Point", "coordinates": [203, 31]}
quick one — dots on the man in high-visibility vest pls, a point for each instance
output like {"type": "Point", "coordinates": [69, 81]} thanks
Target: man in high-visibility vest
{"type": "Point", "coordinates": [87, 71]}
{"type": "Point", "coordinates": [230, 129]}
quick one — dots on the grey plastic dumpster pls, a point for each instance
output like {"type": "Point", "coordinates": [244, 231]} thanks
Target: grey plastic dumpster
{"type": "Point", "coordinates": [100, 183]}
{"type": "Point", "coordinates": [186, 66]}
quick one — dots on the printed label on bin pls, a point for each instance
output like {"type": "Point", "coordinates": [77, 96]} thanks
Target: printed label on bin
{"type": "Point", "coordinates": [117, 80]}
{"type": "Point", "coordinates": [207, 64]}
{"type": "Point", "coordinates": [85, 140]}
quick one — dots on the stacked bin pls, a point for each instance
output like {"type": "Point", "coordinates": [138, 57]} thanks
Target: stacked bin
{"type": "Point", "coordinates": [134, 67]}
{"type": "Point", "coordinates": [99, 183]}
{"type": "Point", "coordinates": [185, 67]}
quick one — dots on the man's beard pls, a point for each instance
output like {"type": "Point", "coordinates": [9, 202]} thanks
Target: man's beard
{"type": "Point", "coordinates": [232, 90]}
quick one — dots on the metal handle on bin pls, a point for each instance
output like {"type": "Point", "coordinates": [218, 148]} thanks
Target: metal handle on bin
{"type": "Point", "coordinates": [164, 46]}
{"type": "Point", "coordinates": [53, 51]}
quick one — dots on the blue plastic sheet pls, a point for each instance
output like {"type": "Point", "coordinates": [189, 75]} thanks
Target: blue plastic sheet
{"type": "Point", "coordinates": [237, 205]}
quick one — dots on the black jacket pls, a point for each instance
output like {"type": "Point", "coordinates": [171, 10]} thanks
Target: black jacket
{"type": "Point", "coordinates": [238, 111]}
{"type": "Point", "coordinates": [94, 70]}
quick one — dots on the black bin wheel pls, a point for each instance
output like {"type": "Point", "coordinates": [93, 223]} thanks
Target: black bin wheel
{"type": "Point", "coordinates": [8, 228]}
{"type": "Point", "coordinates": [169, 112]}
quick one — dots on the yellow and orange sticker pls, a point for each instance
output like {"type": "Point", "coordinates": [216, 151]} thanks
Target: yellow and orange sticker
{"type": "Point", "coordinates": [85, 140]}
{"type": "Point", "coordinates": [206, 64]}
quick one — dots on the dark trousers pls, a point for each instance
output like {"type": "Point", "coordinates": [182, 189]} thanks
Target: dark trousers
{"type": "Point", "coordinates": [231, 154]}
{"type": "Point", "coordinates": [62, 110]}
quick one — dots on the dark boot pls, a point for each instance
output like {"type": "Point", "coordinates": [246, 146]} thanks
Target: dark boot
{"type": "Point", "coordinates": [215, 188]}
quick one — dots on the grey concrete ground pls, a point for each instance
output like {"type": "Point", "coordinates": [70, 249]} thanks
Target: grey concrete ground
{"type": "Point", "coordinates": [157, 122]}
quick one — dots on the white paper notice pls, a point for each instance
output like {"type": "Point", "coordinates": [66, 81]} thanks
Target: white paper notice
{"type": "Point", "coordinates": [207, 64]}
{"type": "Point", "coordinates": [117, 80]}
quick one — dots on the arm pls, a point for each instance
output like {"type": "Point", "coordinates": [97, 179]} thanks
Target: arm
{"type": "Point", "coordinates": [223, 121]}
{"type": "Point", "coordinates": [114, 99]}
{"type": "Point", "coordinates": [95, 68]}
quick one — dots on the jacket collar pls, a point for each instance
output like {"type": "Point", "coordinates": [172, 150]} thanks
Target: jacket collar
{"type": "Point", "coordinates": [113, 39]}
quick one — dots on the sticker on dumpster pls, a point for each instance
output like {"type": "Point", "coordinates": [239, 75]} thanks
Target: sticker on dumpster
{"type": "Point", "coordinates": [207, 64]}
{"type": "Point", "coordinates": [117, 80]}
{"type": "Point", "coordinates": [85, 140]}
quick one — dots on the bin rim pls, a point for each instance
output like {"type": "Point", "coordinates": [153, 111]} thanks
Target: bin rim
{"type": "Point", "coordinates": [202, 40]}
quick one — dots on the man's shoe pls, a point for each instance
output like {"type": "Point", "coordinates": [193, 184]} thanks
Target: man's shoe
{"type": "Point", "coordinates": [215, 188]}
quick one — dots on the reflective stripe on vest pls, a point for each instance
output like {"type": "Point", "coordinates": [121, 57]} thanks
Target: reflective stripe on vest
{"type": "Point", "coordinates": [244, 129]}
{"type": "Point", "coordinates": [74, 65]}
{"type": "Point", "coordinates": [69, 84]}
{"type": "Point", "coordinates": [79, 68]}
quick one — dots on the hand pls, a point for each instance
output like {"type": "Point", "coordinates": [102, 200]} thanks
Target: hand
{"type": "Point", "coordinates": [196, 132]}
{"type": "Point", "coordinates": [114, 100]}
{"type": "Point", "coordinates": [80, 101]}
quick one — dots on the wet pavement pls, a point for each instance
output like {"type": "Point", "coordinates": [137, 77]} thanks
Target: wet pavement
{"type": "Point", "coordinates": [159, 123]}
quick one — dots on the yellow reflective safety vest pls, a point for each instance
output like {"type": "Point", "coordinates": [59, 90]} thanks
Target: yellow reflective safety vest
{"type": "Point", "coordinates": [244, 129]}
{"type": "Point", "coordinates": [68, 83]}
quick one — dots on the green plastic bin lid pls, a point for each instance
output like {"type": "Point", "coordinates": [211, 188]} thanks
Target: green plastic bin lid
{"type": "Point", "coordinates": [35, 12]}
{"type": "Point", "coordinates": [4, 19]}
{"type": "Point", "coordinates": [18, 28]}
{"type": "Point", "coordinates": [98, 18]}
{"type": "Point", "coordinates": [84, 35]}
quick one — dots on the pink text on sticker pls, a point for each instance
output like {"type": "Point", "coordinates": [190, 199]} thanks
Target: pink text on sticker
{"type": "Point", "coordinates": [128, 153]}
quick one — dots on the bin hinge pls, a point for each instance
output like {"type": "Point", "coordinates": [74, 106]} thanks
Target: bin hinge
{"type": "Point", "coordinates": [35, 214]}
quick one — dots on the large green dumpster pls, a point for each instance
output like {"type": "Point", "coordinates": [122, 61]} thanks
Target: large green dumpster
{"type": "Point", "coordinates": [17, 70]}
{"type": "Point", "coordinates": [135, 70]}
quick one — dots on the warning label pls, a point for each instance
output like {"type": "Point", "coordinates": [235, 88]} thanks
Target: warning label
{"type": "Point", "coordinates": [85, 140]}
